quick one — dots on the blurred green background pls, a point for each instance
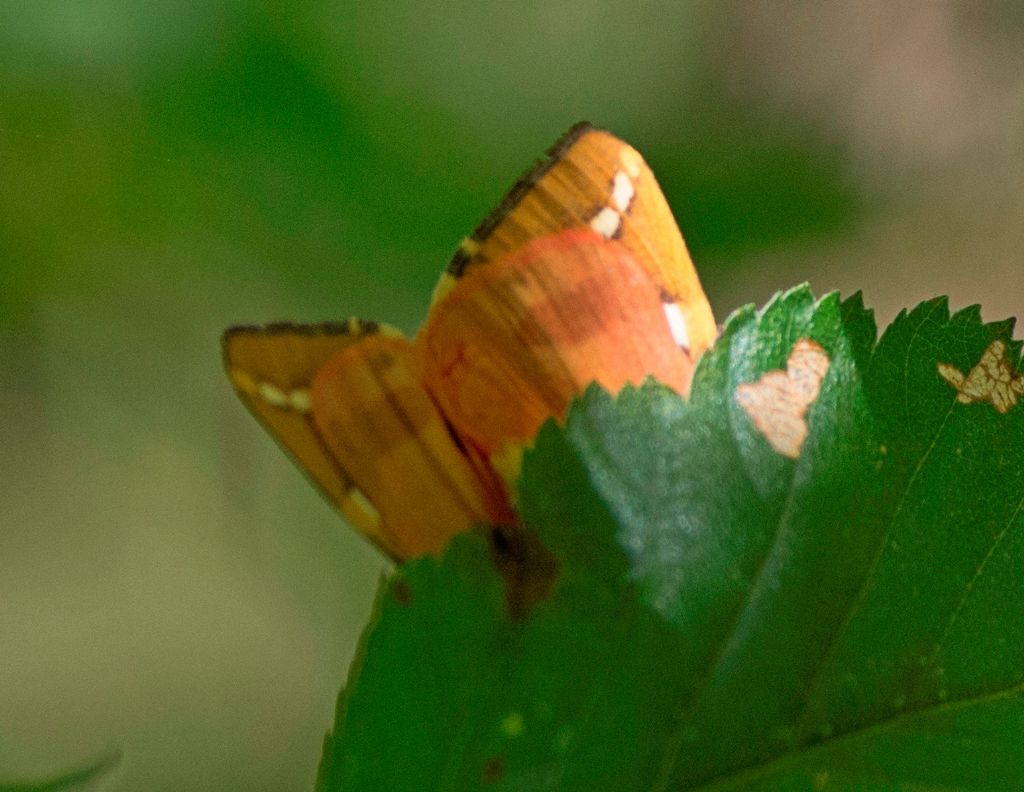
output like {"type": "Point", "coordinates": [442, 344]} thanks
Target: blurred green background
{"type": "Point", "coordinates": [169, 583]}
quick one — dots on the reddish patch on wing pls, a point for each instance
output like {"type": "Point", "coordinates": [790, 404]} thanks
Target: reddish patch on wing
{"type": "Point", "coordinates": [520, 337]}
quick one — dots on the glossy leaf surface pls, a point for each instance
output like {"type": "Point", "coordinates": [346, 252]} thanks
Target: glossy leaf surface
{"type": "Point", "coordinates": [725, 617]}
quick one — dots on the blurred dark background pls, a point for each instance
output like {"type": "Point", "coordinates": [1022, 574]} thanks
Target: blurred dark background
{"type": "Point", "coordinates": [168, 582]}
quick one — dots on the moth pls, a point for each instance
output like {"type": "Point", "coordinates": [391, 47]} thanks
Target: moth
{"type": "Point", "coordinates": [579, 275]}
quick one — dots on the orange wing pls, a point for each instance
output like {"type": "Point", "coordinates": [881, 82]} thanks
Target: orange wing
{"type": "Point", "coordinates": [516, 340]}
{"type": "Point", "coordinates": [591, 179]}
{"type": "Point", "coordinates": [272, 368]}
{"type": "Point", "coordinates": [344, 400]}
{"type": "Point", "coordinates": [375, 417]}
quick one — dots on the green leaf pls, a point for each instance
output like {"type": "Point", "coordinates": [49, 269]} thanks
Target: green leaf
{"type": "Point", "coordinates": [725, 617]}
{"type": "Point", "coordinates": [87, 777]}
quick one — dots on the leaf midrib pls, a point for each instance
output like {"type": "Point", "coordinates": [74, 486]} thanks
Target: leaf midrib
{"type": "Point", "coordinates": [671, 756]}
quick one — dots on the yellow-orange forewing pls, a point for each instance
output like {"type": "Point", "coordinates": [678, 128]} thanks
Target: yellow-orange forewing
{"type": "Point", "coordinates": [272, 367]}
{"type": "Point", "coordinates": [345, 400]}
{"type": "Point", "coordinates": [516, 340]}
{"type": "Point", "coordinates": [591, 179]}
{"type": "Point", "coordinates": [377, 421]}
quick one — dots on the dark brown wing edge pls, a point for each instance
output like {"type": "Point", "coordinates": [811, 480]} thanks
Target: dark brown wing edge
{"type": "Point", "coordinates": [522, 186]}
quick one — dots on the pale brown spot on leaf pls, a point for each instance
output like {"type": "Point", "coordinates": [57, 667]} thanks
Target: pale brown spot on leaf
{"type": "Point", "coordinates": [778, 402]}
{"type": "Point", "coordinates": [991, 380]}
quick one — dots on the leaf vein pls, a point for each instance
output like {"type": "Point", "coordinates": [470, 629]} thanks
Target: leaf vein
{"type": "Point", "coordinates": [826, 657]}
{"type": "Point", "coordinates": [752, 772]}
{"type": "Point", "coordinates": [969, 587]}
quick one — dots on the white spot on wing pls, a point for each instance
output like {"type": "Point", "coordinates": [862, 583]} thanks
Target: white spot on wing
{"type": "Point", "coordinates": [606, 222]}
{"type": "Point", "coordinates": [300, 401]}
{"type": "Point", "coordinates": [272, 394]}
{"type": "Point", "coordinates": [243, 382]}
{"type": "Point", "coordinates": [362, 503]}
{"type": "Point", "coordinates": [389, 331]}
{"type": "Point", "coordinates": [677, 325]}
{"type": "Point", "coordinates": [630, 159]}
{"type": "Point", "coordinates": [622, 191]}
